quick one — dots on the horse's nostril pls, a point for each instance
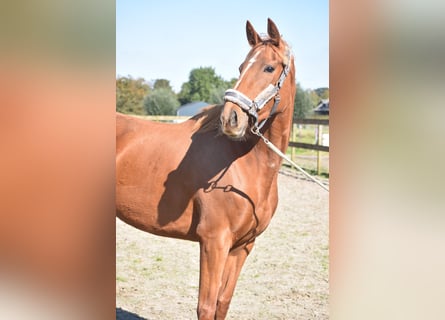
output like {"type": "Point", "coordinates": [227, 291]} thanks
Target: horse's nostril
{"type": "Point", "coordinates": [221, 121]}
{"type": "Point", "coordinates": [233, 119]}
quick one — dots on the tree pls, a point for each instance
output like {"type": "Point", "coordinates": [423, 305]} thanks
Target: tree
{"type": "Point", "coordinates": [203, 85]}
{"type": "Point", "coordinates": [303, 103]}
{"type": "Point", "coordinates": [162, 83]}
{"type": "Point", "coordinates": [318, 95]}
{"type": "Point", "coordinates": [130, 94]}
{"type": "Point", "coordinates": [231, 83]}
{"type": "Point", "coordinates": [323, 93]}
{"type": "Point", "coordinates": [161, 101]}
{"type": "Point", "coordinates": [315, 98]}
{"type": "Point", "coordinates": [217, 95]}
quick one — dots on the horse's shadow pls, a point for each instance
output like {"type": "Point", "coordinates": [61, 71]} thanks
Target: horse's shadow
{"type": "Point", "coordinates": [208, 155]}
{"type": "Point", "coordinates": [122, 314]}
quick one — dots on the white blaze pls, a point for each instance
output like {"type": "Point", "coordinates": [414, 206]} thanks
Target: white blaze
{"type": "Point", "coordinates": [251, 61]}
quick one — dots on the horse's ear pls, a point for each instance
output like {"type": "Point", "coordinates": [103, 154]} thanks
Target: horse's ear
{"type": "Point", "coordinates": [273, 32]}
{"type": "Point", "coordinates": [252, 35]}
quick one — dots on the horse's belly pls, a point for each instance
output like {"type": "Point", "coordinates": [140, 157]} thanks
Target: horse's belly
{"type": "Point", "coordinates": [156, 213]}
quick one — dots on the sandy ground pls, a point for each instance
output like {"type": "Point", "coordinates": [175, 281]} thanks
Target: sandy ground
{"type": "Point", "coordinates": [285, 276]}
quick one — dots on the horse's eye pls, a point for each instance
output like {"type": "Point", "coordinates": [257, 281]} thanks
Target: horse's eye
{"type": "Point", "coordinates": [269, 69]}
{"type": "Point", "coordinates": [241, 67]}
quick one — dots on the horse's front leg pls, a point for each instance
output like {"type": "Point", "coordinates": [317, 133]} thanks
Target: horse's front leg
{"type": "Point", "coordinates": [213, 255]}
{"type": "Point", "coordinates": [232, 269]}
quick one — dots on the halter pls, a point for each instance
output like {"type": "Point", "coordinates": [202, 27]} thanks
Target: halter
{"type": "Point", "coordinates": [252, 107]}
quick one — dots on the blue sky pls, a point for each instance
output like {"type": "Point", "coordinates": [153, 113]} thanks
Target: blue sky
{"type": "Point", "coordinates": [168, 38]}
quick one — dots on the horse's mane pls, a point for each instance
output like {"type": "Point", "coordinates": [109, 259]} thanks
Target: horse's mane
{"type": "Point", "coordinates": [208, 119]}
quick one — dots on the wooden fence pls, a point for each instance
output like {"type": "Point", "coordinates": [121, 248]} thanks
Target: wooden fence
{"type": "Point", "coordinates": [317, 145]}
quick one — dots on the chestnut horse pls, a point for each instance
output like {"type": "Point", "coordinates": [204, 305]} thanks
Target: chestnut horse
{"type": "Point", "coordinates": [211, 179]}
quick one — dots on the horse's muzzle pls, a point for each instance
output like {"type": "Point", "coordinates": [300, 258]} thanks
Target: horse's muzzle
{"type": "Point", "coordinates": [234, 121]}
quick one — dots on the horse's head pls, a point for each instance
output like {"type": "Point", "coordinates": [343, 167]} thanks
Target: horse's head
{"type": "Point", "coordinates": [256, 95]}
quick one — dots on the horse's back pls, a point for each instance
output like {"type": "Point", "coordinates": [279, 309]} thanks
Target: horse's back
{"type": "Point", "coordinates": [123, 122]}
{"type": "Point", "coordinates": [126, 128]}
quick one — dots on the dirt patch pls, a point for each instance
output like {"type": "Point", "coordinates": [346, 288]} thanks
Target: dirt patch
{"type": "Point", "coordinates": [285, 276]}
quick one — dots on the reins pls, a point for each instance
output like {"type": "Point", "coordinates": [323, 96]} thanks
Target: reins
{"type": "Point", "coordinates": [271, 146]}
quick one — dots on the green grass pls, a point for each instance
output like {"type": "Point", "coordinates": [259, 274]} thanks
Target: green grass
{"type": "Point", "coordinates": [305, 134]}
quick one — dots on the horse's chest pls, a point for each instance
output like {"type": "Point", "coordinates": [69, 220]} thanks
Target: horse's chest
{"type": "Point", "coordinates": [262, 211]}
{"type": "Point", "coordinates": [265, 211]}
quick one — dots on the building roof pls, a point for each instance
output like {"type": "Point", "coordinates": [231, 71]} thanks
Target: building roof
{"type": "Point", "coordinates": [190, 109]}
{"type": "Point", "coordinates": [322, 107]}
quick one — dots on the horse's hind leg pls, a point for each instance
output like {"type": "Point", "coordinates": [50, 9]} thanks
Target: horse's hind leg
{"type": "Point", "coordinates": [213, 255]}
{"type": "Point", "coordinates": [232, 269]}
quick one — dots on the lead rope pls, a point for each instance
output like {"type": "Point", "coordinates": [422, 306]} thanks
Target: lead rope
{"type": "Point", "coordinates": [256, 131]}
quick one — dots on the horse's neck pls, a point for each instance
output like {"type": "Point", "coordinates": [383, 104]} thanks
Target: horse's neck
{"type": "Point", "coordinates": [278, 134]}
{"type": "Point", "coordinates": [279, 131]}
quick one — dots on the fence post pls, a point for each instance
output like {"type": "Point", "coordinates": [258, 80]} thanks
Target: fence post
{"type": "Point", "coordinates": [319, 138]}
{"type": "Point", "coordinates": [292, 156]}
